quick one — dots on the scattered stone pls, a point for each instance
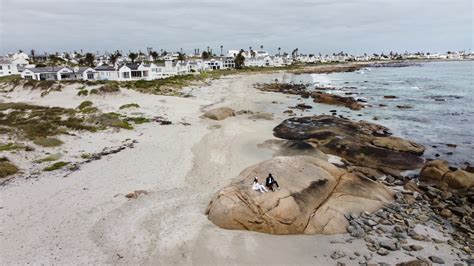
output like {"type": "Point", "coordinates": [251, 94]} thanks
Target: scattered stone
{"type": "Point", "coordinates": [436, 259]}
{"type": "Point", "coordinates": [338, 254]}
{"type": "Point", "coordinates": [414, 263]}
{"type": "Point", "coordinates": [388, 244]}
{"type": "Point", "coordinates": [382, 252]}
{"type": "Point", "coordinates": [135, 194]}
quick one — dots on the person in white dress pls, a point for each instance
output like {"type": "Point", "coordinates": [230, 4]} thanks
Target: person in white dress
{"type": "Point", "coordinates": [258, 187]}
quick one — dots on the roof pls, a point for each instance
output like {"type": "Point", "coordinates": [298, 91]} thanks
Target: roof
{"type": "Point", "coordinates": [82, 69]}
{"type": "Point", "coordinates": [132, 66]}
{"type": "Point", "coordinates": [5, 61]}
{"type": "Point", "coordinates": [105, 68]}
{"type": "Point", "coordinates": [46, 69]}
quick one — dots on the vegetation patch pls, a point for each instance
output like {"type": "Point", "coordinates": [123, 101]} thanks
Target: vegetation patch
{"type": "Point", "coordinates": [49, 158]}
{"type": "Point", "coordinates": [109, 88]}
{"type": "Point", "coordinates": [129, 105]}
{"type": "Point", "coordinates": [86, 156]}
{"type": "Point", "coordinates": [40, 123]}
{"type": "Point", "coordinates": [94, 91]}
{"type": "Point", "coordinates": [84, 104]}
{"type": "Point", "coordinates": [82, 92]}
{"type": "Point", "coordinates": [11, 146]}
{"type": "Point", "coordinates": [48, 142]}
{"type": "Point", "coordinates": [138, 120]}
{"type": "Point", "coordinates": [55, 166]}
{"type": "Point", "coordinates": [7, 168]}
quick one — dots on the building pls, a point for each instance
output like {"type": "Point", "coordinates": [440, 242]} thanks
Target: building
{"type": "Point", "coordinates": [7, 67]}
{"type": "Point", "coordinates": [60, 73]}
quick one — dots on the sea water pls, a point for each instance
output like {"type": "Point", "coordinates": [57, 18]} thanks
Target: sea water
{"type": "Point", "coordinates": [440, 94]}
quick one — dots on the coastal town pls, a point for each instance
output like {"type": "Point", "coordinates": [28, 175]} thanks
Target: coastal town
{"type": "Point", "coordinates": [151, 65]}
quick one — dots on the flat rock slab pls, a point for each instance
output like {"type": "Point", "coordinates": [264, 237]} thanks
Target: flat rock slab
{"type": "Point", "coordinates": [314, 197]}
{"type": "Point", "coordinates": [359, 142]}
{"type": "Point", "coordinates": [219, 113]}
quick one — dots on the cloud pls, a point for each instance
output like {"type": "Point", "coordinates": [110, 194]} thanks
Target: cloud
{"type": "Point", "coordinates": [312, 26]}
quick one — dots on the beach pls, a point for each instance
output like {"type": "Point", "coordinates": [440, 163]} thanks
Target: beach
{"type": "Point", "coordinates": [84, 217]}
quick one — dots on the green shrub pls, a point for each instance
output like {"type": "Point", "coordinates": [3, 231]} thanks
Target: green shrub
{"type": "Point", "coordinates": [138, 120]}
{"type": "Point", "coordinates": [48, 142]}
{"type": "Point", "coordinates": [89, 110]}
{"type": "Point", "coordinates": [7, 168]}
{"type": "Point", "coordinates": [109, 88]}
{"type": "Point", "coordinates": [86, 156]}
{"type": "Point", "coordinates": [55, 166]}
{"type": "Point", "coordinates": [94, 91]}
{"type": "Point", "coordinates": [129, 105]}
{"type": "Point", "coordinates": [11, 146]}
{"type": "Point", "coordinates": [84, 104]}
{"type": "Point", "coordinates": [49, 158]}
{"type": "Point", "coordinates": [82, 93]}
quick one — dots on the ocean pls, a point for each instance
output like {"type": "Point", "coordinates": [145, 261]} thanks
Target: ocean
{"type": "Point", "coordinates": [439, 101]}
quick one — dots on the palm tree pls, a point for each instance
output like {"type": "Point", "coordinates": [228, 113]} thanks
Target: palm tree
{"type": "Point", "coordinates": [261, 47]}
{"type": "Point", "coordinates": [279, 50]}
{"type": "Point", "coordinates": [89, 59]}
{"type": "Point", "coordinates": [222, 46]}
{"type": "Point", "coordinates": [132, 57]}
{"type": "Point", "coordinates": [208, 49]}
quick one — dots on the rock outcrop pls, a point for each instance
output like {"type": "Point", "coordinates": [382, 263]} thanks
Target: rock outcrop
{"type": "Point", "coordinates": [219, 113]}
{"type": "Point", "coordinates": [360, 143]}
{"type": "Point", "coordinates": [332, 99]}
{"type": "Point", "coordinates": [438, 171]}
{"type": "Point", "coordinates": [314, 197]}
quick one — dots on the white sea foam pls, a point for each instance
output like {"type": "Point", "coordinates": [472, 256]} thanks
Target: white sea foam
{"type": "Point", "coordinates": [321, 79]}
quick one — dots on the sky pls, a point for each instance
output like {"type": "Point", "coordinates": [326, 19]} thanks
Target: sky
{"type": "Point", "coordinates": [318, 26]}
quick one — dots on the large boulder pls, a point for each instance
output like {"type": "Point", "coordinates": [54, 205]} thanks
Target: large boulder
{"type": "Point", "coordinates": [360, 143]}
{"type": "Point", "coordinates": [220, 113]}
{"type": "Point", "coordinates": [332, 99]}
{"type": "Point", "coordinates": [438, 171]}
{"type": "Point", "coordinates": [314, 198]}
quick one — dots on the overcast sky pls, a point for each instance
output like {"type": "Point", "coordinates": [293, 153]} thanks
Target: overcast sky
{"type": "Point", "coordinates": [325, 26]}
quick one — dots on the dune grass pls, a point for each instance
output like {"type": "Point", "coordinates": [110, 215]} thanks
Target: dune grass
{"type": "Point", "coordinates": [55, 166]}
{"type": "Point", "coordinates": [129, 105]}
{"type": "Point", "coordinates": [40, 124]}
{"type": "Point", "coordinates": [7, 168]}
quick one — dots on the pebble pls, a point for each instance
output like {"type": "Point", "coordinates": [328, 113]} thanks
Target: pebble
{"type": "Point", "coordinates": [436, 259]}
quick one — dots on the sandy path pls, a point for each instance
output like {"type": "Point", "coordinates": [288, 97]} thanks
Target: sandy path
{"type": "Point", "coordinates": [85, 218]}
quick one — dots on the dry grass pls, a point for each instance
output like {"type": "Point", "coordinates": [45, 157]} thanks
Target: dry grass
{"type": "Point", "coordinates": [7, 168]}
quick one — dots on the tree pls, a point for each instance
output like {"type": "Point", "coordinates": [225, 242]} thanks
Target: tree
{"type": "Point", "coordinates": [67, 56]}
{"type": "Point", "coordinates": [239, 59]}
{"type": "Point", "coordinates": [113, 58]}
{"type": "Point", "coordinates": [132, 57]}
{"type": "Point", "coordinates": [206, 55]}
{"type": "Point", "coordinates": [261, 47]}
{"type": "Point", "coordinates": [89, 59]}
{"type": "Point", "coordinates": [32, 52]}
{"type": "Point", "coordinates": [222, 47]}
{"type": "Point", "coordinates": [279, 50]}
{"type": "Point", "coordinates": [154, 55]}
{"type": "Point", "coordinates": [181, 56]}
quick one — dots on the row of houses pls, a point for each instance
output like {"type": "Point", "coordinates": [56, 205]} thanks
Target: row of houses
{"type": "Point", "coordinates": [125, 72]}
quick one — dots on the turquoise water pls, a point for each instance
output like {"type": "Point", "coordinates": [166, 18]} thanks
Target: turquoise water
{"type": "Point", "coordinates": [441, 95]}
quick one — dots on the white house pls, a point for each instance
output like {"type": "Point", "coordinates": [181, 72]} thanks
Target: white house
{"type": "Point", "coordinates": [7, 67]}
{"type": "Point", "coordinates": [60, 73]}
{"type": "Point", "coordinates": [107, 73]}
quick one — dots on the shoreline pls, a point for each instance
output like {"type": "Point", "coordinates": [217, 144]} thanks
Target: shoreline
{"type": "Point", "coordinates": [86, 218]}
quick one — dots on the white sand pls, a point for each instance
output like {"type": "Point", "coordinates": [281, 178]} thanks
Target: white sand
{"type": "Point", "coordinates": [85, 218]}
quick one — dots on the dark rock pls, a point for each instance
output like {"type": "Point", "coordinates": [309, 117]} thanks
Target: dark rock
{"type": "Point", "coordinates": [361, 143]}
{"type": "Point", "coordinates": [436, 259]}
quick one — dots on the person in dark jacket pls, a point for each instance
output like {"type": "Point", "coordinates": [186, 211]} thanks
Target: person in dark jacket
{"type": "Point", "coordinates": [270, 182]}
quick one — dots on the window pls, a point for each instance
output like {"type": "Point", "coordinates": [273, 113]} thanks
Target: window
{"type": "Point", "coordinates": [1, 67]}
{"type": "Point", "coordinates": [126, 75]}
{"type": "Point", "coordinates": [136, 74]}
{"type": "Point", "coordinates": [28, 77]}
{"type": "Point", "coordinates": [64, 76]}
{"type": "Point", "coordinates": [90, 75]}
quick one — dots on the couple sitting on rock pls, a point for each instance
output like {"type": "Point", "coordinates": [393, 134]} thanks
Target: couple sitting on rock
{"type": "Point", "coordinates": [270, 182]}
